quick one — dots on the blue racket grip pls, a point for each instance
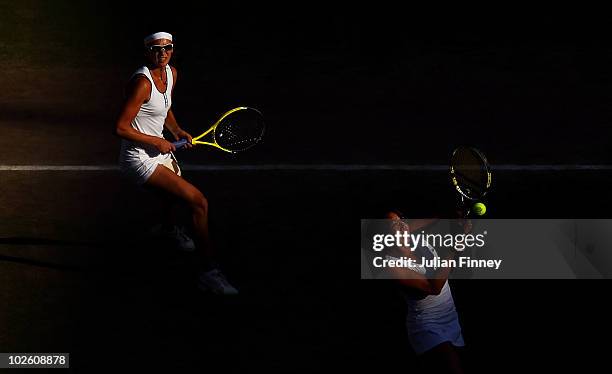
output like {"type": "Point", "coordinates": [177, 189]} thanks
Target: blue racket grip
{"type": "Point", "coordinates": [180, 143]}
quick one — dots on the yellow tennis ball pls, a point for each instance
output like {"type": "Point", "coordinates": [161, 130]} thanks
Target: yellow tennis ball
{"type": "Point", "coordinates": [479, 209]}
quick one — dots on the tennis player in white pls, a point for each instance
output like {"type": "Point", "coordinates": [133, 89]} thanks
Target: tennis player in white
{"type": "Point", "coordinates": [431, 321]}
{"type": "Point", "coordinates": [146, 157]}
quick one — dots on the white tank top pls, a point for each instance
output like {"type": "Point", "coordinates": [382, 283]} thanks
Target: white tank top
{"type": "Point", "coordinates": [150, 118]}
{"type": "Point", "coordinates": [433, 308]}
{"type": "Point", "coordinates": [437, 309]}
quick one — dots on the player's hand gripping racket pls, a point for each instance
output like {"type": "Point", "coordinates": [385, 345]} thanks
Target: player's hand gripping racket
{"type": "Point", "coordinates": [237, 130]}
{"type": "Point", "coordinates": [470, 175]}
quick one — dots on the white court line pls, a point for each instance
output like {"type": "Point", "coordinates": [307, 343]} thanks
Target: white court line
{"type": "Point", "coordinates": [314, 167]}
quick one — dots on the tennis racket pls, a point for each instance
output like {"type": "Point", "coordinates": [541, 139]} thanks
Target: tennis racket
{"type": "Point", "coordinates": [470, 175]}
{"type": "Point", "coordinates": [237, 130]}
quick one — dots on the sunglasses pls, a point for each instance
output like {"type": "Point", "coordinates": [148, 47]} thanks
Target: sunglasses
{"type": "Point", "coordinates": [159, 48]}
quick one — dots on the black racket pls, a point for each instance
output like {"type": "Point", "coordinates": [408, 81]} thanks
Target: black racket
{"type": "Point", "coordinates": [470, 175]}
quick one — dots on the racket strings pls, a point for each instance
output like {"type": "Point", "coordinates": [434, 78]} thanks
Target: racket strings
{"type": "Point", "coordinates": [239, 135]}
{"type": "Point", "coordinates": [469, 188]}
{"type": "Point", "coordinates": [471, 173]}
{"type": "Point", "coordinates": [474, 178]}
{"type": "Point", "coordinates": [236, 138]}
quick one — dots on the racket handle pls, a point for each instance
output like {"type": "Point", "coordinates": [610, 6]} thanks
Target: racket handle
{"type": "Point", "coordinates": [180, 143]}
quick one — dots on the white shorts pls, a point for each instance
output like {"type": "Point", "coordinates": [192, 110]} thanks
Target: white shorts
{"type": "Point", "coordinates": [139, 168]}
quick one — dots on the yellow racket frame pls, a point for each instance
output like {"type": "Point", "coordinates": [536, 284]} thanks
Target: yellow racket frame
{"type": "Point", "coordinates": [196, 140]}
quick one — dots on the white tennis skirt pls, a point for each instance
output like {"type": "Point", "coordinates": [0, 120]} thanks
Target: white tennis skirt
{"type": "Point", "coordinates": [138, 164]}
{"type": "Point", "coordinates": [429, 335]}
{"type": "Point", "coordinates": [432, 321]}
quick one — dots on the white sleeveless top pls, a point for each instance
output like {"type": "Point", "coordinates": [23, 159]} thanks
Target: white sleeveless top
{"type": "Point", "coordinates": [140, 159]}
{"type": "Point", "coordinates": [152, 114]}
{"type": "Point", "coordinates": [433, 319]}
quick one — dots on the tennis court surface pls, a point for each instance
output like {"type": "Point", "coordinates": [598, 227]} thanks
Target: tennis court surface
{"type": "Point", "coordinates": [79, 277]}
{"type": "Point", "coordinates": [360, 119]}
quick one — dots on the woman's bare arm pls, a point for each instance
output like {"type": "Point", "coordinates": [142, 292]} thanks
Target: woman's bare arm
{"type": "Point", "coordinates": [416, 282]}
{"type": "Point", "coordinates": [138, 92]}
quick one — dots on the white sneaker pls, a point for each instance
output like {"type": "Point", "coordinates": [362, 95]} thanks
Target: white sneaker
{"type": "Point", "coordinates": [214, 281]}
{"type": "Point", "coordinates": [176, 235]}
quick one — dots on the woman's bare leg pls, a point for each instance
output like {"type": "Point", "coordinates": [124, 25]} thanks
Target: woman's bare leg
{"type": "Point", "coordinates": [442, 358]}
{"type": "Point", "coordinates": [167, 181]}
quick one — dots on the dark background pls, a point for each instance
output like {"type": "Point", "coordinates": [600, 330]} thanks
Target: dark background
{"type": "Point", "coordinates": [338, 84]}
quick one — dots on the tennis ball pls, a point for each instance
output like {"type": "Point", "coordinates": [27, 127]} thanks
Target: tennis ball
{"type": "Point", "coordinates": [479, 209]}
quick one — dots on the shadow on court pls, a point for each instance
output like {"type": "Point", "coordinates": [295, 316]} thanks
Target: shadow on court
{"type": "Point", "coordinates": [79, 276]}
{"type": "Point", "coordinates": [349, 86]}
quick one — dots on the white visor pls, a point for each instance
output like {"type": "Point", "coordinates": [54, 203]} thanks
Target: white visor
{"type": "Point", "coordinates": [157, 35]}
